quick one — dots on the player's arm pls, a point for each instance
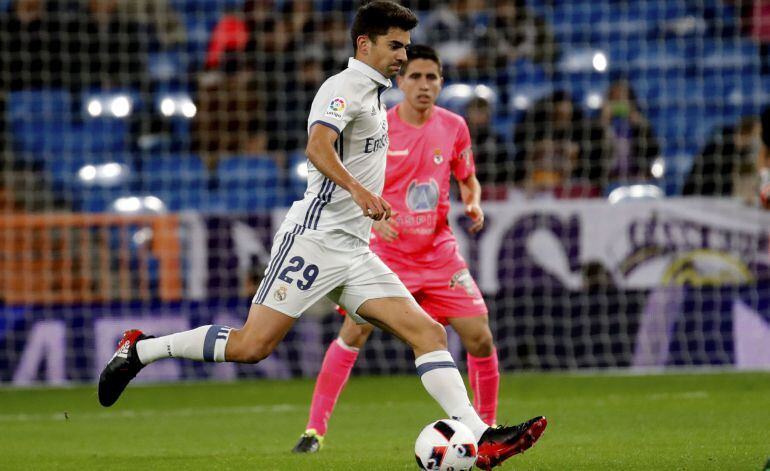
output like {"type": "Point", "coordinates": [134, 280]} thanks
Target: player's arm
{"type": "Point", "coordinates": [470, 192]}
{"type": "Point", "coordinates": [763, 164]}
{"type": "Point", "coordinates": [320, 151]}
{"type": "Point", "coordinates": [763, 160]}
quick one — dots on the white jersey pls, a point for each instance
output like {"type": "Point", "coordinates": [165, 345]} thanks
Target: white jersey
{"type": "Point", "coordinates": [349, 103]}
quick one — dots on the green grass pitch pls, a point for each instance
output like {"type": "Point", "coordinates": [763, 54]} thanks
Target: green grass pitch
{"type": "Point", "coordinates": [718, 421]}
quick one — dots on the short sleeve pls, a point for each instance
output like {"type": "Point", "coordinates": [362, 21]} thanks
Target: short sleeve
{"type": "Point", "coordinates": [766, 126]}
{"type": "Point", "coordinates": [463, 165]}
{"type": "Point", "coordinates": [335, 105]}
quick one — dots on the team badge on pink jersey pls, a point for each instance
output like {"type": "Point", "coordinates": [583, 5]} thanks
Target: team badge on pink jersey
{"type": "Point", "coordinates": [437, 157]}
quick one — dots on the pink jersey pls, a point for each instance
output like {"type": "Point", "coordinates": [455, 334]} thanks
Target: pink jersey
{"type": "Point", "coordinates": [420, 161]}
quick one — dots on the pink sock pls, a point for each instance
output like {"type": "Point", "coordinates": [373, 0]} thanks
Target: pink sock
{"type": "Point", "coordinates": [335, 371]}
{"type": "Point", "coordinates": [485, 381]}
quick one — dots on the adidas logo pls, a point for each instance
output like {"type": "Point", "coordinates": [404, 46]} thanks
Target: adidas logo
{"type": "Point", "coordinates": [123, 351]}
{"type": "Point", "coordinates": [374, 111]}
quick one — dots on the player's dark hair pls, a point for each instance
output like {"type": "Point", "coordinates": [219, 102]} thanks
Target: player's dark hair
{"type": "Point", "coordinates": [420, 51]}
{"type": "Point", "coordinates": [375, 19]}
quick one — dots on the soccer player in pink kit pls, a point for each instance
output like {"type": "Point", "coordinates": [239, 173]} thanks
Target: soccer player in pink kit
{"type": "Point", "coordinates": [427, 144]}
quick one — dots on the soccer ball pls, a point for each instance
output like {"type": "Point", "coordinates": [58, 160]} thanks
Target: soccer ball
{"type": "Point", "coordinates": [446, 445]}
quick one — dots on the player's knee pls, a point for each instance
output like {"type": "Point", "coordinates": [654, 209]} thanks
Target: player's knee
{"type": "Point", "coordinates": [435, 336]}
{"type": "Point", "coordinates": [480, 344]}
{"type": "Point", "coordinates": [257, 353]}
{"type": "Point", "coordinates": [245, 349]}
{"type": "Point", "coordinates": [355, 335]}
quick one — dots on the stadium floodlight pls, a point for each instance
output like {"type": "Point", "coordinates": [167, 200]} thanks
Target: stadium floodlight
{"type": "Point", "coordinates": [189, 109]}
{"type": "Point", "coordinates": [301, 170]}
{"type": "Point", "coordinates": [167, 107]}
{"type": "Point", "coordinates": [115, 105]}
{"type": "Point", "coordinates": [594, 100]}
{"type": "Point", "coordinates": [634, 192]}
{"type": "Point", "coordinates": [142, 236]}
{"type": "Point", "coordinates": [585, 60]}
{"type": "Point", "coordinates": [521, 102]}
{"type": "Point", "coordinates": [457, 91]}
{"type": "Point", "coordinates": [658, 167]}
{"type": "Point", "coordinates": [107, 174]}
{"type": "Point", "coordinates": [177, 104]}
{"type": "Point", "coordinates": [120, 106]}
{"type": "Point", "coordinates": [95, 108]}
{"type": "Point", "coordinates": [485, 92]}
{"type": "Point", "coordinates": [600, 62]}
{"type": "Point", "coordinates": [139, 205]}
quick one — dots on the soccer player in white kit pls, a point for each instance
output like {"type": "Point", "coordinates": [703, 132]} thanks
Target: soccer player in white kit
{"type": "Point", "coordinates": [322, 248]}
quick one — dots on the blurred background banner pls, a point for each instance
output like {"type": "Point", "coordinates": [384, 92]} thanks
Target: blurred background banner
{"type": "Point", "coordinates": [637, 245]}
{"type": "Point", "coordinates": [149, 149]}
{"type": "Point", "coordinates": [586, 283]}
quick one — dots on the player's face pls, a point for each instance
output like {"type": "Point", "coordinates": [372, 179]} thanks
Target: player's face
{"type": "Point", "coordinates": [388, 53]}
{"type": "Point", "coordinates": [421, 83]}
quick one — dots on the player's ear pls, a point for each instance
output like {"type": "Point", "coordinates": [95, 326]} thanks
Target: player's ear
{"type": "Point", "coordinates": [363, 43]}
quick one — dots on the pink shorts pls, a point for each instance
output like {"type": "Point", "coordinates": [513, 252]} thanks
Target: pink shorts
{"type": "Point", "coordinates": [444, 292]}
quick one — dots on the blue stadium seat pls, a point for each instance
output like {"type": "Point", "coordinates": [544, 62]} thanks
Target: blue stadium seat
{"type": "Point", "coordinates": [181, 181]}
{"type": "Point", "coordinates": [248, 183]}
{"type": "Point", "coordinates": [682, 129]}
{"type": "Point", "coordinates": [39, 105]}
{"type": "Point", "coordinates": [528, 83]}
{"type": "Point", "coordinates": [38, 120]}
{"type": "Point", "coordinates": [525, 72]}
{"type": "Point", "coordinates": [572, 21]}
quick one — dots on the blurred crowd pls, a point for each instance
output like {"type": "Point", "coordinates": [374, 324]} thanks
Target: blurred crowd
{"type": "Point", "coordinates": [263, 61]}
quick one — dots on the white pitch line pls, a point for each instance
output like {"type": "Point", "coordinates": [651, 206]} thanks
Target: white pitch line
{"type": "Point", "coordinates": [129, 413]}
{"type": "Point", "coordinates": [679, 395]}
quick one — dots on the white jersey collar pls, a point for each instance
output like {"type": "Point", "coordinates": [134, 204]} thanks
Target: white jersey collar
{"type": "Point", "coordinates": [370, 72]}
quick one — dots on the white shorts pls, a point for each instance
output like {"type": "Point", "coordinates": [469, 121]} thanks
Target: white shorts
{"type": "Point", "coordinates": [306, 265]}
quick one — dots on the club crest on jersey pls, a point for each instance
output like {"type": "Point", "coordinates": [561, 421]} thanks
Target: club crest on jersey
{"type": "Point", "coordinates": [437, 157]}
{"type": "Point", "coordinates": [422, 196]}
{"type": "Point", "coordinates": [463, 278]}
{"type": "Point", "coordinates": [280, 294]}
{"type": "Point", "coordinates": [336, 108]}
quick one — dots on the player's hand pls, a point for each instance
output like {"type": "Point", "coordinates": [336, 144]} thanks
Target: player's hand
{"type": "Point", "coordinates": [371, 205]}
{"type": "Point", "coordinates": [476, 214]}
{"type": "Point", "coordinates": [386, 229]}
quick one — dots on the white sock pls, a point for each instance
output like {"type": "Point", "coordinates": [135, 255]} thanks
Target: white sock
{"type": "Point", "coordinates": [441, 379]}
{"type": "Point", "coordinates": [205, 343]}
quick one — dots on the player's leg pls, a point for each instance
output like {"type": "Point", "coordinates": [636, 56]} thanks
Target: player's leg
{"type": "Point", "coordinates": [373, 293]}
{"type": "Point", "coordinates": [437, 370]}
{"type": "Point", "coordinates": [264, 329]}
{"type": "Point", "coordinates": [451, 295]}
{"type": "Point", "coordinates": [280, 299]}
{"type": "Point", "coordinates": [483, 372]}
{"type": "Point", "coordinates": [335, 370]}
